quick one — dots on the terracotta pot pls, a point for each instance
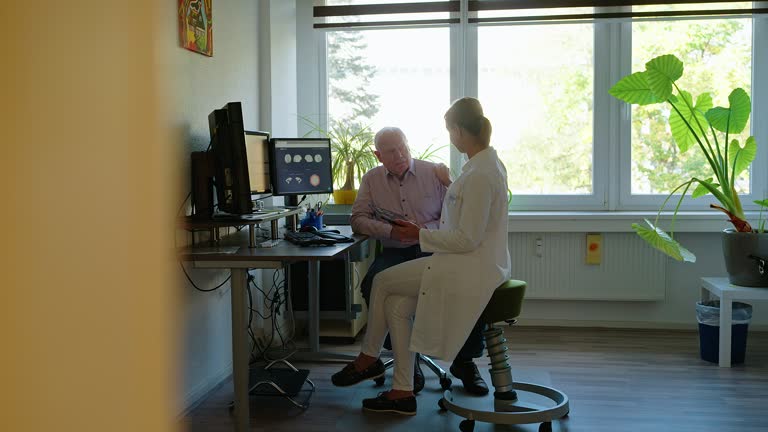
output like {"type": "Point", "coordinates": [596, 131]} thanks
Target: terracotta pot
{"type": "Point", "coordinates": [742, 251]}
{"type": "Point", "coordinates": [344, 196]}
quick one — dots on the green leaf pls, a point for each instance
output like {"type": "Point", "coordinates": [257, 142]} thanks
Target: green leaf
{"type": "Point", "coordinates": [740, 157]}
{"type": "Point", "coordinates": [662, 72]}
{"type": "Point", "coordinates": [735, 118]}
{"type": "Point", "coordinates": [683, 136]}
{"type": "Point", "coordinates": [702, 190]}
{"type": "Point", "coordinates": [660, 240]}
{"type": "Point", "coordinates": [762, 203]}
{"type": "Point", "coordinates": [634, 89]}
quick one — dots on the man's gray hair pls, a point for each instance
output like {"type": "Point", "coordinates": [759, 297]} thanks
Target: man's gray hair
{"type": "Point", "coordinates": [389, 130]}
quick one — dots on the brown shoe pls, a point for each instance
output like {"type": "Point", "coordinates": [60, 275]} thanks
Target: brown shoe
{"type": "Point", "coordinates": [350, 376]}
{"type": "Point", "coordinates": [405, 406]}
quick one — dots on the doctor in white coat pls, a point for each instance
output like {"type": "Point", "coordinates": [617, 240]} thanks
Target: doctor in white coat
{"type": "Point", "coordinates": [430, 305]}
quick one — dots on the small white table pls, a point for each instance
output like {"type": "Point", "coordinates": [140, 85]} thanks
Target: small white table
{"type": "Point", "coordinates": [728, 293]}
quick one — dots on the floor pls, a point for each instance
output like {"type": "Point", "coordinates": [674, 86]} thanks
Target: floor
{"type": "Point", "coordinates": [616, 379]}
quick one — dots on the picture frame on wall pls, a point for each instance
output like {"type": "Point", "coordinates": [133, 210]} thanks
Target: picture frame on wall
{"type": "Point", "coordinates": [196, 26]}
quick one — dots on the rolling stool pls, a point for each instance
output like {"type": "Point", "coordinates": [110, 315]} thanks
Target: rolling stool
{"type": "Point", "coordinates": [514, 402]}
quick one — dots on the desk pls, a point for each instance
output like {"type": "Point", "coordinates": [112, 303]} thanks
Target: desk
{"type": "Point", "coordinates": [728, 293]}
{"type": "Point", "coordinates": [233, 253]}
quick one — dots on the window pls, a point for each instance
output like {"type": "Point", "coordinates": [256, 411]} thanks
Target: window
{"type": "Point", "coordinates": [400, 78]}
{"type": "Point", "coordinates": [539, 97]}
{"type": "Point", "coordinates": [718, 58]}
{"type": "Point", "coordinates": [543, 77]}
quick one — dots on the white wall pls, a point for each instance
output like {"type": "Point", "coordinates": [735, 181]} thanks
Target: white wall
{"type": "Point", "coordinates": [196, 85]}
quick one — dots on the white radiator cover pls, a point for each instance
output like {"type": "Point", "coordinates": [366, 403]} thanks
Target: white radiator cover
{"type": "Point", "coordinates": [630, 270]}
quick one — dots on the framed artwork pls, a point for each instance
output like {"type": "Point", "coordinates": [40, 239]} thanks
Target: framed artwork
{"type": "Point", "coordinates": [196, 26]}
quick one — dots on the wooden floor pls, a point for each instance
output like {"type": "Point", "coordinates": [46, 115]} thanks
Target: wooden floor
{"type": "Point", "coordinates": [617, 380]}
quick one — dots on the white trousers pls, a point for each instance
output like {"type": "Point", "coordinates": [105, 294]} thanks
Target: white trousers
{"type": "Point", "coordinates": [393, 303]}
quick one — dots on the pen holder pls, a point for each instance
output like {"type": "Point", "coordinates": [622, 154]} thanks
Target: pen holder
{"type": "Point", "coordinates": [313, 219]}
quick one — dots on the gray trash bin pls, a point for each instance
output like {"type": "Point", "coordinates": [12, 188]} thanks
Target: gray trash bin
{"type": "Point", "coordinates": [708, 316]}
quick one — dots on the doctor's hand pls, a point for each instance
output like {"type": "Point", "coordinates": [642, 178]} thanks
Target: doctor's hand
{"type": "Point", "coordinates": [405, 230]}
{"type": "Point", "coordinates": [443, 174]}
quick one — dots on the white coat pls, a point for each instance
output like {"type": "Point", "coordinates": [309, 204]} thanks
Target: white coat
{"type": "Point", "coordinates": [470, 257]}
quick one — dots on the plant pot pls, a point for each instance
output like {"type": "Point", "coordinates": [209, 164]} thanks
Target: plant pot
{"type": "Point", "coordinates": [742, 269]}
{"type": "Point", "coordinates": [344, 196]}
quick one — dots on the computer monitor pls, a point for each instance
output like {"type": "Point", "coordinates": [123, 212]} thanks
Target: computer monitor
{"type": "Point", "coordinates": [231, 180]}
{"type": "Point", "coordinates": [257, 155]}
{"type": "Point", "coordinates": [300, 166]}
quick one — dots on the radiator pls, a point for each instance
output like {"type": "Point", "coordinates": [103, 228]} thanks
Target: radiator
{"type": "Point", "coordinates": [629, 269]}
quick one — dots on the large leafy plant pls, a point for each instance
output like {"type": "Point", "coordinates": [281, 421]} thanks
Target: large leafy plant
{"type": "Point", "coordinates": [695, 123]}
{"type": "Point", "coordinates": [352, 148]}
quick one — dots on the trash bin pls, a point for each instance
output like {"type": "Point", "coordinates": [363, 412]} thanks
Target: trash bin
{"type": "Point", "coordinates": [708, 316]}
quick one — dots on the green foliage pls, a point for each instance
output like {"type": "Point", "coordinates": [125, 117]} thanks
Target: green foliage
{"type": "Point", "coordinates": [352, 148]}
{"type": "Point", "coordinates": [349, 78]}
{"type": "Point", "coordinates": [694, 125]}
{"type": "Point", "coordinates": [430, 153]}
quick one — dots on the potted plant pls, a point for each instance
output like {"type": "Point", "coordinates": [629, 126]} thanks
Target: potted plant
{"type": "Point", "coordinates": [352, 153]}
{"type": "Point", "coordinates": [695, 123]}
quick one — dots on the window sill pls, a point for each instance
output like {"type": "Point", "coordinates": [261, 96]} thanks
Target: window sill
{"type": "Point", "coordinates": [616, 221]}
{"type": "Point", "coordinates": [585, 221]}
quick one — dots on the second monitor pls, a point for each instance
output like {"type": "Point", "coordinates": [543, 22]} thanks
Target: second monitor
{"type": "Point", "coordinates": [300, 166]}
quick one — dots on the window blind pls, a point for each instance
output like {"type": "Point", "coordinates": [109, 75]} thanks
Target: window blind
{"type": "Point", "coordinates": [372, 14]}
{"type": "Point", "coordinates": [521, 11]}
{"type": "Point", "coordinates": [386, 14]}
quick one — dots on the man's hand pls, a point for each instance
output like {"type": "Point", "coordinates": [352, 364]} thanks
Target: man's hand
{"type": "Point", "coordinates": [405, 230]}
{"type": "Point", "coordinates": [443, 174]}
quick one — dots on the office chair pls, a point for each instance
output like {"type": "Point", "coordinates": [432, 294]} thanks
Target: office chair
{"type": "Point", "coordinates": [511, 400]}
{"type": "Point", "coordinates": [445, 381]}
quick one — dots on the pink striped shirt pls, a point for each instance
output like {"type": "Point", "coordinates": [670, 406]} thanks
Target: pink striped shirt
{"type": "Point", "coordinates": [418, 197]}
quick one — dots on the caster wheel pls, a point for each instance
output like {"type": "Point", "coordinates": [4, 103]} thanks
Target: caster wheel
{"type": "Point", "coordinates": [441, 404]}
{"type": "Point", "coordinates": [445, 383]}
{"type": "Point", "coordinates": [467, 425]}
{"type": "Point", "coordinates": [379, 381]}
{"type": "Point", "coordinates": [545, 427]}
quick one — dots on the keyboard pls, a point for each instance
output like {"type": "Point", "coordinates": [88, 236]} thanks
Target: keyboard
{"type": "Point", "coordinates": [308, 239]}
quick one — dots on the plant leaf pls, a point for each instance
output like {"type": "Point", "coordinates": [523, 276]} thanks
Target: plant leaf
{"type": "Point", "coordinates": [660, 240]}
{"type": "Point", "coordinates": [735, 118]}
{"type": "Point", "coordinates": [762, 203]}
{"type": "Point", "coordinates": [662, 72]}
{"type": "Point", "coordinates": [683, 136]}
{"type": "Point", "coordinates": [702, 190]}
{"type": "Point", "coordinates": [634, 89]}
{"type": "Point", "coordinates": [740, 157]}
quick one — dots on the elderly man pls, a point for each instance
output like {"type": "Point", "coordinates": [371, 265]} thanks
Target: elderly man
{"type": "Point", "coordinates": [415, 190]}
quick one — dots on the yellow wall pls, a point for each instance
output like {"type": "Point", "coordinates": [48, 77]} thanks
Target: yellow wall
{"type": "Point", "coordinates": [86, 304]}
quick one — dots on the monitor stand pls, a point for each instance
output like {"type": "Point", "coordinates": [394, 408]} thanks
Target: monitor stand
{"type": "Point", "coordinates": [291, 200]}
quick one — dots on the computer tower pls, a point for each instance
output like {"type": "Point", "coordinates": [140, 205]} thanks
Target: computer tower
{"type": "Point", "coordinates": [334, 285]}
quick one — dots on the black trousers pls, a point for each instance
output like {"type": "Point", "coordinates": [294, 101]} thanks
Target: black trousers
{"type": "Point", "coordinates": [474, 345]}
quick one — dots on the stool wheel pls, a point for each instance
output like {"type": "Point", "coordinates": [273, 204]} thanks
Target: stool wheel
{"type": "Point", "coordinates": [379, 381]}
{"type": "Point", "coordinates": [467, 425]}
{"type": "Point", "coordinates": [441, 404]}
{"type": "Point", "coordinates": [545, 427]}
{"type": "Point", "coordinates": [445, 383]}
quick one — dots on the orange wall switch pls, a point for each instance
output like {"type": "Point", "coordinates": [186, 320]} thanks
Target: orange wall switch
{"type": "Point", "coordinates": [594, 248]}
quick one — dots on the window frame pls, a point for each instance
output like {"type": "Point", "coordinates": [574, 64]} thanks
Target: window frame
{"type": "Point", "coordinates": [611, 173]}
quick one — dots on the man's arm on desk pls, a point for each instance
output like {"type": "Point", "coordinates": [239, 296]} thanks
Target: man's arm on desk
{"type": "Point", "coordinates": [362, 220]}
